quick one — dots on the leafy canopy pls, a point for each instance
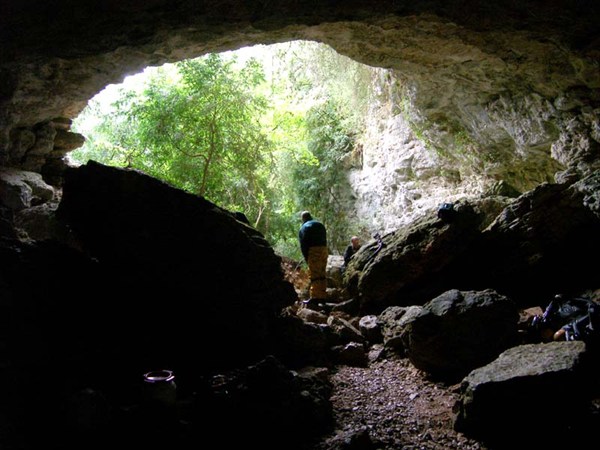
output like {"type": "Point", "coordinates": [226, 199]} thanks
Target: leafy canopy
{"type": "Point", "coordinates": [269, 143]}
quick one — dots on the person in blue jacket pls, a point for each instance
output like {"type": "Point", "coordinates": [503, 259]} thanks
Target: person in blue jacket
{"type": "Point", "coordinates": [313, 244]}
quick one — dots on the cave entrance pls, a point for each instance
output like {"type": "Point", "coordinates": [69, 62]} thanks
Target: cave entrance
{"type": "Point", "coordinates": [265, 130]}
{"type": "Point", "coordinates": [458, 109]}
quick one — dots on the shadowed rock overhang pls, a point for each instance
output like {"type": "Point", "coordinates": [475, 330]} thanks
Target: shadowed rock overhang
{"type": "Point", "coordinates": [515, 80]}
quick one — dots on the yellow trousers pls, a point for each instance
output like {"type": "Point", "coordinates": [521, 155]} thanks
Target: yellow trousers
{"type": "Point", "coordinates": [317, 268]}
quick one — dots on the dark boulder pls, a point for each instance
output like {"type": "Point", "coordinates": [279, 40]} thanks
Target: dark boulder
{"type": "Point", "coordinates": [187, 287]}
{"type": "Point", "coordinates": [459, 331]}
{"type": "Point", "coordinates": [534, 394]}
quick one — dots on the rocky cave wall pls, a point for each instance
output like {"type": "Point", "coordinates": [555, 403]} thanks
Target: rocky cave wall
{"type": "Point", "coordinates": [507, 91]}
{"type": "Point", "coordinates": [480, 124]}
{"type": "Point", "coordinates": [478, 93]}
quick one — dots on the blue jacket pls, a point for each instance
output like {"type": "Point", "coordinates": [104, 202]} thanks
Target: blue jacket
{"type": "Point", "coordinates": [312, 234]}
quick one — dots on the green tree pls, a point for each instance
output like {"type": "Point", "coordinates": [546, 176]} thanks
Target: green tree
{"type": "Point", "coordinates": [289, 135]}
{"type": "Point", "coordinates": [336, 92]}
{"type": "Point", "coordinates": [202, 133]}
{"type": "Point", "coordinates": [321, 179]}
{"type": "Point", "coordinates": [269, 144]}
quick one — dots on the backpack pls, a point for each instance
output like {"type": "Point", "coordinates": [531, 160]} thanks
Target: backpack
{"type": "Point", "coordinates": [579, 317]}
{"type": "Point", "coordinates": [446, 212]}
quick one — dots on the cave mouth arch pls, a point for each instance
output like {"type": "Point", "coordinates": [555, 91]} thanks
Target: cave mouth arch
{"type": "Point", "coordinates": [318, 104]}
{"type": "Point", "coordinates": [438, 87]}
{"type": "Point", "coordinates": [387, 136]}
{"type": "Point", "coordinates": [469, 68]}
{"type": "Point", "coordinates": [493, 97]}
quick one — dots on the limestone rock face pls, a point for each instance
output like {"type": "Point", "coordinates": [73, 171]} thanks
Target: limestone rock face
{"type": "Point", "coordinates": [20, 189]}
{"type": "Point", "coordinates": [399, 177]}
{"type": "Point", "coordinates": [411, 163]}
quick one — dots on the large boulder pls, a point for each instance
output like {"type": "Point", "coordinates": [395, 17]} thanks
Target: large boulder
{"type": "Point", "coordinates": [187, 285]}
{"type": "Point", "coordinates": [459, 331]}
{"type": "Point", "coordinates": [531, 394]}
{"type": "Point", "coordinates": [537, 246]}
{"type": "Point", "coordinates": [541, 244]}
{"type": "Point", "coordinates": [411, 265]}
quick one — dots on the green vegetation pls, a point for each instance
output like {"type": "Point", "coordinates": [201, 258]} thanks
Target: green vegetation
{"type": "Point", "coordinates": [323, 186]}
{"type": "Point", "coordinates": [266, 137]}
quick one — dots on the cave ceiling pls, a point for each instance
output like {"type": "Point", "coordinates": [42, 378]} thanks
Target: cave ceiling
{"type": "Point", "coordinates": [466, 66]}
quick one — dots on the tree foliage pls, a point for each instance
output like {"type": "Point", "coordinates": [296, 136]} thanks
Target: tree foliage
{"type": "Point", "coordinates": [269, 146]}
{"type": "Point", "coordinates": [202, 134]}
{"type": "Point", "coordinates": [322, 180]}
{"type": "Point", "coordinates": [337, 91]}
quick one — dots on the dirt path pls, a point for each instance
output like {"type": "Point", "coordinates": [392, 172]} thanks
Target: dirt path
{"type": "Point", "coordinates": [392, 405]}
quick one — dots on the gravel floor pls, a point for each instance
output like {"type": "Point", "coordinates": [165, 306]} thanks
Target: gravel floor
{"type": "Point", "coordinates": [392, 405]}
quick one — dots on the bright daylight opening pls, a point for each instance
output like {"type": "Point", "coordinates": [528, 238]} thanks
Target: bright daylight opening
{"type": "Point", "coordinates": [265, 130]}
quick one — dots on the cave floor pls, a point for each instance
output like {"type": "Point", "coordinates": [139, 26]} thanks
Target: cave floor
{"type": "Point", "coordinates": [396, 405]}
